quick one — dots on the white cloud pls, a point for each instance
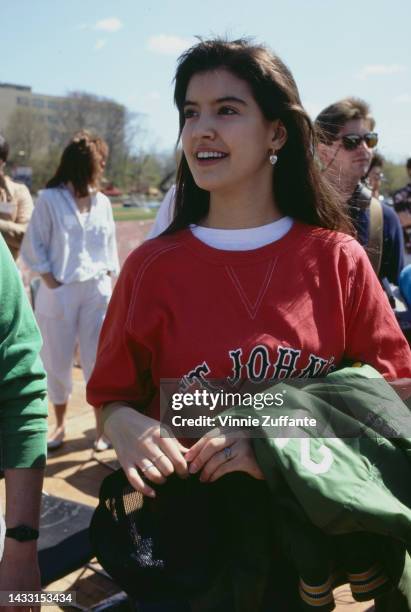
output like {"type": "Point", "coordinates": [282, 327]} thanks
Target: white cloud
{"type": "Point", "coordinates": [169, 45]}
{"type": "Point", "coordinates": [100, 44]}
{"type": "Point", "coordinates": [111, 24]}
{"type": "Point", "coordinates": [403, 99]}
{"type": "Point", "coordinates": [380, 69]}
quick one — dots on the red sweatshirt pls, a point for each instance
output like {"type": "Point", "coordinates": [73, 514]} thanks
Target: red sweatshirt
{"type": "Point", "coordinates": [296, 307]}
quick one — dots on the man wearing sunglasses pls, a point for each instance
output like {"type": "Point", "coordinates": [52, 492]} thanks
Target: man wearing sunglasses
{"type": "Point", "coordinates": [346, 142]}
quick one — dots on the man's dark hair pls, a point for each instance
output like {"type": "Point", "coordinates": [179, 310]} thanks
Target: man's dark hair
{"type": "Point", "coordinates": [377, 160]}
{"type": "Point", "coordinates": [4, 148]}
{"type": "Point", "coordinates": [408, 163]}
{"type": "Point", "coordinates": [333, 118]}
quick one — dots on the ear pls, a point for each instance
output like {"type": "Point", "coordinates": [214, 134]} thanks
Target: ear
{"type": "Point", "coordinates": [279, 135]}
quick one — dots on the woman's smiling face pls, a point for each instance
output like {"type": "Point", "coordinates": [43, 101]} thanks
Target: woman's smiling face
{"type": "Point", "coordinates": [226, 138]}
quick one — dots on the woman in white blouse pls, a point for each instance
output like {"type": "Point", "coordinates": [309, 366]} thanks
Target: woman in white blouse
{"type": "Point", "coordinates": [71, 243]}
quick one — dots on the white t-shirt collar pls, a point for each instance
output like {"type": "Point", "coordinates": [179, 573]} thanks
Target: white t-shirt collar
{"type": "Point", "coordinates": [243, 239]}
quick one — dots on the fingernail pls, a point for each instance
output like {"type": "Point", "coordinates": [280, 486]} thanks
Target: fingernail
{"type": "Point", "coordinates": [193, 468]}
{"type": "Point", "coordinates": [151, 494]}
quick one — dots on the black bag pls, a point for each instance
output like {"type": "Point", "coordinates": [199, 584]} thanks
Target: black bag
{"type": "Point", "coordinates": [193, 539]}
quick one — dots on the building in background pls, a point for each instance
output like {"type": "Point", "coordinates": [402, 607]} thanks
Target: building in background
{"type": "Point", "coordinates": [46, 110]}
{"type": "Point", "coordinates": [38, 126]}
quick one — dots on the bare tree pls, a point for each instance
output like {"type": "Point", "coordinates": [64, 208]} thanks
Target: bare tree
{"type": "Point", "coordinates": [169, 162]}
{"type": "Point", "coordinates": [105, 117]}
{"type": "Point", "coordinates": [42, 138]}
{"type": "Point", "coordinates": [27, 134]}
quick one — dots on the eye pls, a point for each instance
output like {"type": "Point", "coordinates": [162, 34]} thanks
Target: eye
{"type": "Point", "coordinates": [227, 110]}
{"type": "Point", "coordinates": [189, 112]}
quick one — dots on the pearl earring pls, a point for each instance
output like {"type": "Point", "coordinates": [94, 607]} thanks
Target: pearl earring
{"type": "Point", "coordinates": [273, 158]}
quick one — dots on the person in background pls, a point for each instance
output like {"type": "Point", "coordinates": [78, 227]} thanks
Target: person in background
{"type": "Point", "coordinates": [16, 205]}
{"type": "Point", "coordinates": [402, 205]}
{"type": "Point", "coordinates": [71, 243]}
{"type": "Point", "coordinates": [103, 151]}
{"type": "Point", "coordinates": [23, 431]}
{"type": "Point", "coordinates": [346, 142]}
{"type": "Point", "coordinates": [402, 197]}
{"type": "Point", "coordinates": [164, 214]}
{"type": "Point", "coordinates": [375, 176]}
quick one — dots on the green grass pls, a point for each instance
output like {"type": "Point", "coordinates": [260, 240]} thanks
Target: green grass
{"type": "Point", "coordinates": [132, 214]}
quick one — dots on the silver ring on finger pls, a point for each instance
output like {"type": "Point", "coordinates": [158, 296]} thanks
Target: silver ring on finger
{"type": "Point", "coordinates": [147, 467]}
{"type": "Point", "coordinates": [227, 452]}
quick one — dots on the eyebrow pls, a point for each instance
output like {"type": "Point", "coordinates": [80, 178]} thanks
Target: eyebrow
{"type": "Point", "coordinates": [219, 101]}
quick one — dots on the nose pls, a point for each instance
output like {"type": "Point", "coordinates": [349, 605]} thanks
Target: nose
{"type": "Point", "coordinates": [204, 127]}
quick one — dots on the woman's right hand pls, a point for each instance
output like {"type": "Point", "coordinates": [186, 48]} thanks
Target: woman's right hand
{"type": "Point", "coordinates": [141, 451]}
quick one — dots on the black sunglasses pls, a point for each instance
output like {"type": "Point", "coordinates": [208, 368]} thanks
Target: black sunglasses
{"type": "Point", "coordinates": [352, 141]}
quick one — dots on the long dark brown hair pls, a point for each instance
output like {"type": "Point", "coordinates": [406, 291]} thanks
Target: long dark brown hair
{"type": "Point", "coordinates": [80, 164]}
{"type": "Point", "coordinates": [299, 188]}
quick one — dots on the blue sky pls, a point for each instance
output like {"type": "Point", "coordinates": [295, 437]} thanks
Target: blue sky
{"type": "Point", "coordinates": [127, 50]}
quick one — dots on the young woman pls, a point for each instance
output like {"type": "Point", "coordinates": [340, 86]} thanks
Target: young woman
{"type": "Point", "coordinates": [252, 275]}
{"type": "Point", "coordinates": [71, 243]}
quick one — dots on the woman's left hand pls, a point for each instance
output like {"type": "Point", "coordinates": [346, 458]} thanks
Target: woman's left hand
{"type": "Point", "coordinates": [218, 454]}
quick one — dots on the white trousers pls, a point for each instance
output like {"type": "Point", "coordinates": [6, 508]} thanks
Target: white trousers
{"type": "Point", "coordinates": [69, 313]}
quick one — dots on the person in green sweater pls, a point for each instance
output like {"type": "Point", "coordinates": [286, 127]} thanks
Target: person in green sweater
{"type": "Point", "coordinates": [23, 431]}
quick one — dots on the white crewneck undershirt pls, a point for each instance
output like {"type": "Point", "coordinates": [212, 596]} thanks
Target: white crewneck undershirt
{"type": "Point", "coordinates": [242, 239]}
